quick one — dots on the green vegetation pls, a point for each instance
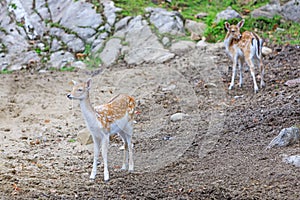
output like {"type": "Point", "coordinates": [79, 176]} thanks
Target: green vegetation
{"type": "Point", "coordinates": [6, 71]}
{"type": "Point", "coordinates": [276, 30]}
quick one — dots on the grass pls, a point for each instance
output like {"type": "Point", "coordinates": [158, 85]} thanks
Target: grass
{"type": "Point", "coordinates": [6, 71]}
{"type": "Point", "coordinates": [275, 30]}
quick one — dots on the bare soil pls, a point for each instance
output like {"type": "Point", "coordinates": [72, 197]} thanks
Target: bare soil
{"type": "Point", "coordinates": [217, 151]}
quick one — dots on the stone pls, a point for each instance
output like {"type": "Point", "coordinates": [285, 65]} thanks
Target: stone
{"type": "Point", "coordinates": [266, 51]}
{"type": "Point", "coordinates": [286, 137]}
{"type": "Point", "coordinates": [61, 59]}
{"type": "Point", "coordinates": [165, 21]}
{"type": "Point", "coordinates": [227, 14]}
{"type": "Point", "coordinates": [181, 47]}
{"type": "Point", "coordinates": [270, 10]}
{"type": "Point", "coordinates": [294, 160]}
{"type": "Point", "coordinates": [178, 117]}
{"type": "Point", "coordinates": [293, 82]}
{"type": "Point", "coordinates": [110, 12]}
{"type": "Point", "coordinates": [147, 48]}
{"type": "Point", "coordinates": [197, 28]}
{"type": "Point", "coordinates": [111, 51]}
{"type": "Point", "coordinates": [84, 137]}
{"type": "Point", "coordinates": [79, 65]}
{"type": "Point", "coordinates": [291, 10]}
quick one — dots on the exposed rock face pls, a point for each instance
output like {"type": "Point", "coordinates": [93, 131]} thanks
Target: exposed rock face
{"type": "Point", "coordinates": [51, 33]}
{"type": "Point", "coordinates": [54, 32]}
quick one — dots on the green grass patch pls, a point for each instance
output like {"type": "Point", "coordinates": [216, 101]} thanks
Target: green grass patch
{"type": "Point", "coordinates": [6, 71]}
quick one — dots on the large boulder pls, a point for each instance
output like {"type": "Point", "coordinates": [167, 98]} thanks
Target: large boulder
{"type": "Point", "coordinates": [227, 14]}
{"type": "Point", "coordinates": [291, 10]}
{"type": "Point", "coordinates": [165, 21]}
{"type": "Point", "coordinates": [270, 10]}
{"type": "Point", "coordinates": [143, 45]}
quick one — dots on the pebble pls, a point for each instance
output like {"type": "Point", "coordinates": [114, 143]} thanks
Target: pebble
{"type": "Point", "coordinates": [177, 117]}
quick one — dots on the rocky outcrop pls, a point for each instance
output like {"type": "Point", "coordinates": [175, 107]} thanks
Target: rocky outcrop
{"type": "Point", "coordinates": [54, 34]}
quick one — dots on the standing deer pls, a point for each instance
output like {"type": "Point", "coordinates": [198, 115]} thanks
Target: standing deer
{"type": "Point", "coordinates": [114, 117]}
{"type": "Point", "coordinates": [244, 47]}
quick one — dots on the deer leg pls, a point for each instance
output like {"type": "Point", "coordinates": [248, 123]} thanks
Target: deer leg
{"type": "Point", "coordinates": [125, 158]}
{"type": "Point", "coordinates": [251, 65]}
{"type": "Point", "coordinates": [104, 145]}
{"type": "Point", "coordinates": [130, 146]}
{"type": "Point", "coordinates": [96, 156]}
{"type": "Point", "coordinates": [233, 75]}
{"type": "Point", "coordinates": [262, 73]}
{"type": "Point", "coordinates": [240, 63]}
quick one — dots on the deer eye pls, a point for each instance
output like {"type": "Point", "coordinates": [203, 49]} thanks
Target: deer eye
{"type": "Point", "coordinates": [80, 90]}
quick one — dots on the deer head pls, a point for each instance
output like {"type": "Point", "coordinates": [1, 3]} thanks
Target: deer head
{"type": "Point", "coordinates": [234, 30]}
{"type": "Point", "coordinates": [80, 90]}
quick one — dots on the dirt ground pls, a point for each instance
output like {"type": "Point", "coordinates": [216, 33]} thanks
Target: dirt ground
{"type": "Point", "coordinates": [217, 151]}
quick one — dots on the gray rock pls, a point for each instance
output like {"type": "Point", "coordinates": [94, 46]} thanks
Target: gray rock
{"type": "Point", "coordinates": [181, 47]}
{"type": "Point", "coordinates": [270, 10]}
{"type": "Point", "coordinates": [165, 21]}
{"type": "Point", "coordinates": [227, 14]}
{"type": "Point", "coordinates": [84, 137]}
{"type": "Point", "coordinates": [79, 65]}
{"type": "Point", "coordinates": [61, 59]}
{"type": "Point", "coordinates": [111, 51]}
{"type": "Point", "coordinates": [266, 51]}
{"type": "Point", "coordinates": [110, 12]}
{"type": "Point", "coordinates": [293, 82]}
{"type": "Point", "coordinates": [74, 43]}
{"type": "Point", "coordinates": [195, 27]}
{"type": "Point", "coordinates": [178, 117]}
{"type": "Point", "coordinates": [294, 160]}
{"type": "Point", "coordinates": [147, 48]}
{"type": "Point", "coordinates": [291, 10]}
{"type": "Point", "coordinates": [287, 136]}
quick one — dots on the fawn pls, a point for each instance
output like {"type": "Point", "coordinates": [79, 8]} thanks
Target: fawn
{"type": "Point", "coordinates": [114, 117]}
{"type": "Point", "coordinates": [244, 47]}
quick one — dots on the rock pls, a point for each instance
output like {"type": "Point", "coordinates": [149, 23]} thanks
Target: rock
{"type": "Point", "coordinates": [79, 65]}
{"type": "Point", "coordinates": [147, 48]}
{"type": "Point", "coordinates": [111, 51]}
{"type": "Point", "coordinates": [291, 10]}
{"type": "Point", "coordinates": [110, 12]}
{"type": "Point", "coordinates": [292, 83]}
{"type": "Point", "coordinates": [61, 59]}
{"type": "Point", "coordinates": [181, 47]}
{"type": "Point", "coordinates": [165, 21]}
{"type": "Point", "coordinates": [84, 137]}
{"type": "Point", "coordinates": [270, 10]}
{"type": "Point", "coordinates": [287, 136]}
{"type": "Point", "coordinates": [177, 117]}
{"type": "Point", "coordinates": [201, 15]}
{"type": "Point", "coordinates": [266, 51]}
{"type": "Point", "coordinates": [201, 44]}
{"type": "Point", "coordinates": [294, 160]}
{"type": "Point", "coordinates": [197, 28]}
{"type": "Point", "coordinates": [227, 14]}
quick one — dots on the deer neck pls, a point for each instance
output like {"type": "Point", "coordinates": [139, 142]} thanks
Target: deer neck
{"type": "Point", "coordinates": [89, 113]}
{"type": "Point", "coordinates": [229, 43]}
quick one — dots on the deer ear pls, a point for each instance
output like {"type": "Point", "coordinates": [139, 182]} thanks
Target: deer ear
{"type": "Point", "coordinates": [89, 83]}
{"type": "Point", "coordinates": [72, 82]}
{"type": "Point", "coordinates": [241, 23]}
{"type": "Point", "coordinates": [227, 26]}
